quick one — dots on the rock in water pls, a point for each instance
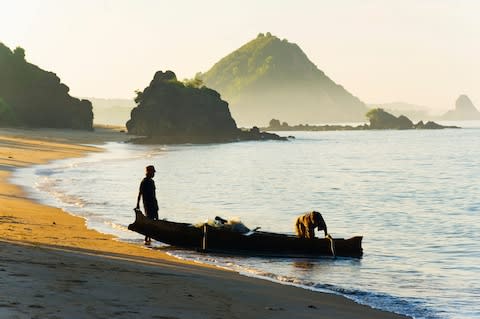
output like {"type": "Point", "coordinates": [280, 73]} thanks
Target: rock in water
{"type": "Point", "coordinates": [169, 111]}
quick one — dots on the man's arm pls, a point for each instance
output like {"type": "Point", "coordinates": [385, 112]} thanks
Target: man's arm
{"type": "Point", "coordinates": [139, 195]}
{"type": "Point", "coordinates": [323, 226]}
{"type": "Point", "coordinates": [138, 200]}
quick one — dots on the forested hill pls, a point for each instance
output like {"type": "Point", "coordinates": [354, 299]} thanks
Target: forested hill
{"type": "Point", "coordinates": [32, 97]}
{"type": "Point", "coordinates": [269, 77]}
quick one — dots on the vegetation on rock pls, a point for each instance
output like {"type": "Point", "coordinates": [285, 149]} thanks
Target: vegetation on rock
{"type": "Point", "coordinates": [33, 97]}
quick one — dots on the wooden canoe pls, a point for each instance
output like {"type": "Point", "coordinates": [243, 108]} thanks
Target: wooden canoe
{"type": "Point", "coordinates": [254, 243]}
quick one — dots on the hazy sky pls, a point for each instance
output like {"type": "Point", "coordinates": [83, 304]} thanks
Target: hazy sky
{"type": "Point", "coordinates": [424, 52]}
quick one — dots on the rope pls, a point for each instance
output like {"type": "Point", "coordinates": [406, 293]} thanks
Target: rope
{"type": "Point", "coordinates": [204, 239]}
{"type": "Point", "coordinates": [332, 245]}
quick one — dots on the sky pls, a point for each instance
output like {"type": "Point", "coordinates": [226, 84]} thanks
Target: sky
{"type": "Point", "coordinates": [423, 52]}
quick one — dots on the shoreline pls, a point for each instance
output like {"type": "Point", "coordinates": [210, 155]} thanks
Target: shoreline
{"type": "Point", "coordinates": [41, 244]}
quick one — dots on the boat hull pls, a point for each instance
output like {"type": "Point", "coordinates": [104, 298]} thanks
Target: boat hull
{"type": "Point", "coordinates": [258, 243]}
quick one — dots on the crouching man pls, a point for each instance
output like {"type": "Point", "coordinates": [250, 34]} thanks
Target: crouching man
{"type": "Point", "coordinates": [306, 224]}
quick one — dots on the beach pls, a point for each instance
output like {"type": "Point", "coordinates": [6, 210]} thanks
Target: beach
{"type": "Point", "coordinates": [52, 266]}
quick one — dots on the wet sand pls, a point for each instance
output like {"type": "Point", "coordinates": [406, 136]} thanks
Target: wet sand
{"type": "Point", "coordinates": [52, 266]}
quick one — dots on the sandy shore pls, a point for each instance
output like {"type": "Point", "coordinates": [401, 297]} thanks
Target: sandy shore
{"type": "Point", "coordinates": [52, 266]}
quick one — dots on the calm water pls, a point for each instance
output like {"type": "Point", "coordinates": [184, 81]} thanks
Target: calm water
{"type": "Point", "coordinates": [413, 195]}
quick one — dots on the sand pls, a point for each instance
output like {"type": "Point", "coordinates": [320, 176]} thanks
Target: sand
{"type": "Point", "coordinates": [52, 266]}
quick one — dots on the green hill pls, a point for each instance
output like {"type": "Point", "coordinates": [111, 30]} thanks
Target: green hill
{"type": "Point", "coordinates": [272, 78]}
{"type": "Point", "coordinates": [32, 97]}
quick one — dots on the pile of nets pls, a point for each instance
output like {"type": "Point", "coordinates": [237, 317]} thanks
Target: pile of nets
{"type": "Point", "coordinates": [233, 224]}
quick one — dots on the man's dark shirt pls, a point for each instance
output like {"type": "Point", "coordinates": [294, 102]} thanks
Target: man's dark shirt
{"type": "Point", "coordinates": [147, 189]}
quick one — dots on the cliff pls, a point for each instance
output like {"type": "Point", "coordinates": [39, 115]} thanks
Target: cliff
{"type": "Point", "coordinates": [32, 97]}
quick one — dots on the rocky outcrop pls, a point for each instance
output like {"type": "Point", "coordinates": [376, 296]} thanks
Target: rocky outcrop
{"type": "Point", "coordinates": [32, 97]}
{"type": "Point", "coordinates": [464, 110]}
{"type": "Point", "coordinates": [275, 125]}
{"type": "Point", "coordinates": [169, 111]}
{"type": "Point", "coordinates": [379, 120]}
{"type": "Point", "coordinates": [412, 111]}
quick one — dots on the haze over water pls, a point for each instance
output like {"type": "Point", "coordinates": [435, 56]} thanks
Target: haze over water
{"type": "Point", "coordinates": [413, 195]}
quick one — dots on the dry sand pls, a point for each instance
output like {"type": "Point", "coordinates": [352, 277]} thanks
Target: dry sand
{"type": "Point", "coordinates": [52, 266]}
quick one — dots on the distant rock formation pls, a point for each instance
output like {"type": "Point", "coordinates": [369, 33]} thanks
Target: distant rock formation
{"type": "Point", "coordinates": [275, 125]}
{"type": "Point", "coordinates": [464, 110]}
{"type": "Point", "coordinates": [412, 111]}
{"type": "Point", "coordinates": [170, 111]}
{"type": "Point", "coordinates": [379, 120]}
{"type": "Point", "coordinates": [32, 97]}
{"type": "Point", "coordinates": [269, 77]}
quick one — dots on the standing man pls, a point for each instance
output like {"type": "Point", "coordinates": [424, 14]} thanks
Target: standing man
{"type": "Point", "coordinates": [147, 192]}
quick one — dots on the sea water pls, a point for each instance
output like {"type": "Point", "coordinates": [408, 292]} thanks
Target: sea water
{"type": "Point", "coordinates": [413, 195]}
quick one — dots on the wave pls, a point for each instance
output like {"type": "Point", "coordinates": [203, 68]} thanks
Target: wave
{"type": "Point", "coordinates": [45, 171]}
{"type": "Point", "coordinates": [412, 307]}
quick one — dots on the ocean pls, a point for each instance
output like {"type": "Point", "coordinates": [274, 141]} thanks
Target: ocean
{"type": "Point", "coordinates": [414, 196]}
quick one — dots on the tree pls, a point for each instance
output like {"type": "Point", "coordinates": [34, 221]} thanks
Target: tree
{"type": "Point", "coordinates": [196, 82]}
{"type": "Point", "coordinates": [274, 123]}
{"type": "Point", "coordinates": [138, 96]}
{"type": "Point", "coordinates": [19, 52]}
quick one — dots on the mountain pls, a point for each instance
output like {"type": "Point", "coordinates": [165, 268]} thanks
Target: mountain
{"type": "Point", "coordinates": [464, 110]}
{"type": "Point", "coordinates": [272, 78]}
{"type": "Point", "coordinates": [111, 111]}
{"type": "Point", "coordinates": [170, 111]}
{"type": "Point", "coordinates": [32, 97]}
